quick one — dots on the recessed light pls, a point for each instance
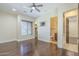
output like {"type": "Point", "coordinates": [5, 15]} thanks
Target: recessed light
{"type": "Point", "coordinates": [13, 9]}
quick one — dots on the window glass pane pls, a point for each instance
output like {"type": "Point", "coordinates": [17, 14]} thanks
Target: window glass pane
{"type": "Point", "coordinates": [29, 28]}
{"type": "Point", "coordinates": [23, 28]}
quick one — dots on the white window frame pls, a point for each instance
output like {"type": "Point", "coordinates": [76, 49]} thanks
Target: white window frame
{"type": "Point", "coordinates": [27, 27]}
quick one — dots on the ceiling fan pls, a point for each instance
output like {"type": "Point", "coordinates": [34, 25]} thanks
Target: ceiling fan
{"type": "Point", "coordinates": [35, 7]}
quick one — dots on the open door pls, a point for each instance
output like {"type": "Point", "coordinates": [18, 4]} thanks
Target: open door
{"type": "Point", "coordinates": [53, 29]}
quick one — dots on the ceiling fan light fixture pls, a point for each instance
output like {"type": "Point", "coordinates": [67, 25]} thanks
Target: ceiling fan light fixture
{"type": "Point", "coordinates": [33, 8]}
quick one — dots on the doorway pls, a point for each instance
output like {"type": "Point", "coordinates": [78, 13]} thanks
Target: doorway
{"type": "Point", "coordinates": [53, 29]}
{"type": "Point", "coordinates": [71, 30]}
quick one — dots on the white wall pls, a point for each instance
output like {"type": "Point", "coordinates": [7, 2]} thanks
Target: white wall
{"type": "Point", "coordinates": [44, 32]}
{"type": "Point", "coordinates": [61, 11]}
{"type": "Point", "coordinates": [9, 27]}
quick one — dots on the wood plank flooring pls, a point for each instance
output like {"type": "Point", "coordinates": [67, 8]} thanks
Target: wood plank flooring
{"type": "Point", "coordinates": [28, 48]}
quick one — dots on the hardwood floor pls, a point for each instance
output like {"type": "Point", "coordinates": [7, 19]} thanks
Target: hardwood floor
{"type": "Point", "coordinates": [28, 48]}
{"type": "Point", "coordinates": [9, 49]}
{"type": "Point", "coordinates": [50, 49]}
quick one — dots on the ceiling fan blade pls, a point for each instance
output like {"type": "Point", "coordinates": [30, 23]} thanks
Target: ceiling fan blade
{"type": "Point", "coordinates": [37, 9]}
{"type": "Point", "coordinates": [39, 5]}
{"type": "Point", "coordinates": [31, 10]}
{"type": "Point", "coordinates": [34, 5]}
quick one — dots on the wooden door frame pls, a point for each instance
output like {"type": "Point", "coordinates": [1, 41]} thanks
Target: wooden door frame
{"type": "Point", "coordinates": [56, 29]}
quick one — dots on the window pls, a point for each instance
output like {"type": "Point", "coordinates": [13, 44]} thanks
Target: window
{"type": "Point", "coordinates": [26, 27]}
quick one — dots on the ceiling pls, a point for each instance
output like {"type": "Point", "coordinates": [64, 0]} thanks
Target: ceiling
{"type": "Point", "coordinates": [23, 8]}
